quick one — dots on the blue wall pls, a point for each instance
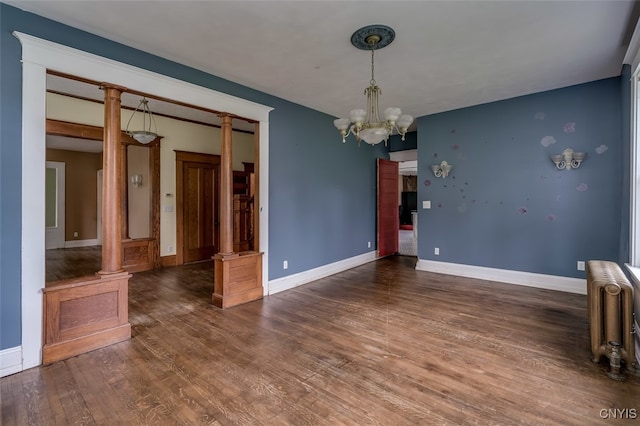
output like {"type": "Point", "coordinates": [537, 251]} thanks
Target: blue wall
{"type": "Point", "coordinates": [505, 205]}
{"type": "Point", "coordinates": [397, 144]}
{"type": "Point", "coordinates": [322, 192]}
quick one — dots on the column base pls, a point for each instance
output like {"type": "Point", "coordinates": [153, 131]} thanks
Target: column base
{"type": "Point", "coordinates": [237, 278]}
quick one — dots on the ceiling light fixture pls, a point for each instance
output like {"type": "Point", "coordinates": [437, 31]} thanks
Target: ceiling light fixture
{"type": "Point", "coordinates": [366, 124]}
{"type": "Point", "coordinates": [145, 135]}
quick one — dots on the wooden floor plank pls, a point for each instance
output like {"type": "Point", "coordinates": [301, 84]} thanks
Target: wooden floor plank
{"type": "Point", "coordinates": [9, 403]}
{"type": "Point", "coordinates": [378, 344]}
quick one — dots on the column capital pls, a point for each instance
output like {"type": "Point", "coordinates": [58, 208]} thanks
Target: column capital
{"type": "Point", "coordinates": [105, 86]}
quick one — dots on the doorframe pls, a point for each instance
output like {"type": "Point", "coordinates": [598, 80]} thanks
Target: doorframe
{"type": "Point", "coordinates": [181, 158]}
{"type": "Point", "coordinates": [99, 206]}
{"type": "Point", "coordinates": [37, 56]}
{"type": "Point", "coordinates": [60, 168]}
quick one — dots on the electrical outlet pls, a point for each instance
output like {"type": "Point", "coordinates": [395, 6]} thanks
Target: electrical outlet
{"type": "Point", "coordinates": [369, 244]}
{"type": "Point", "coordinates": [580, 265]}
{"type": "Point", "coordinates": [170, 249]}
{"type": "Point", "coordinates": [436, 251]}
{"type": "Point", "coordinates": [285, 264]}
{"type": "Point", "coordinates": [75, 234]}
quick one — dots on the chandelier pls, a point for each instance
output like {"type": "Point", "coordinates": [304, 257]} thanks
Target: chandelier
{"type": "Point", "coordinates": [145, 135]}
{"type": "Point", "coordinates": [366, 124]}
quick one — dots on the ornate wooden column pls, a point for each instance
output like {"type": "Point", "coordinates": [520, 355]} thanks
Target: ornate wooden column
{"type": "Point", "coordinates": [237, 276]}
{"type": "Point", "coordinates": [112, 184]}
{"type": "Point", "coordinates": [91, 312]}
{"type": "Point", "coordinates": [226, 187]}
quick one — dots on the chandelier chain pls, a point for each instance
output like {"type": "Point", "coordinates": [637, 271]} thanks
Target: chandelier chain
{"type": "Point", "coordinates": [373, 80]}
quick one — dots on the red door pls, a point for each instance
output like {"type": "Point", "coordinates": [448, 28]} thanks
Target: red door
{"type": "Point", "coordinates": [388, 215]}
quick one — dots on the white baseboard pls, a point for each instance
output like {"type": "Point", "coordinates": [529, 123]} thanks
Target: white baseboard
{"type": "Point", "coordinates": [10, 361]}
{"type": "Point", "coordinates": [529, 279]}
{"type": "Point", "coordinates": [291, 281]}
{"type": "Point", "coordinates": [80, 243]}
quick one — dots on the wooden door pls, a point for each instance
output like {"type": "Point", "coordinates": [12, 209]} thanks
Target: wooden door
{"type": "Point", "coordinates": [200, 226]}
{"type": "Point", "coordinates": [388, 214]}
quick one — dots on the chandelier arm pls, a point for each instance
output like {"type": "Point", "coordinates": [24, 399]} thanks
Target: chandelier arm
{"type": "Point", "coordinates": [151, 119]}
{"type": "Point", "coordinates": [145, 111]}
{"type": "Point", "coordinates": [130, 118]}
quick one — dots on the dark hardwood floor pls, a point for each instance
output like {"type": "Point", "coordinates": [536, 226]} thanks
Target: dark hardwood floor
{"type": "Point", "coordinates": [379, 344]}
{"type": "Point", "coordinates": [64, 264]}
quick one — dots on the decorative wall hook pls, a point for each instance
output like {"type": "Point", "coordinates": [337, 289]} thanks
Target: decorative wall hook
{"type": "Point", "coordinates": [568, 159]}
{"type": "Point", "coordinates": [442, 169]}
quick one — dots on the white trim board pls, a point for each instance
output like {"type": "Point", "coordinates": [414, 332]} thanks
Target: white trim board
{"type": "Point", "coordinates": [295, 280]}
{"type": "Point", "coordinates": [80, 243]}
{"type": "Point", "coordinates": [529, 279]}
{"type": "Point", "coordinates": [39, 55]}
{"type": "Point", "coordinates": [10, 361]}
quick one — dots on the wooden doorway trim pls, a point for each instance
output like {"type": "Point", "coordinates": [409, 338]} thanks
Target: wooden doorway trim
{"type": "Point", "coordinates": [183, 157]}
{"type": "Point", "coordinates": [256, 186]}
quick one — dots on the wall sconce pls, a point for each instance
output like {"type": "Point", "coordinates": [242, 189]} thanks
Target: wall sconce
{"type": "Point", "coordinates": [568, 159]}
{"type": "Point", "coordinates": [441, 170]}
{"type": "Point", "coordinates": [136, 180]}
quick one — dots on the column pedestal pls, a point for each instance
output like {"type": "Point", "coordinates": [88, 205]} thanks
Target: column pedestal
{"type": "Point", "coordinates": [237, 278]}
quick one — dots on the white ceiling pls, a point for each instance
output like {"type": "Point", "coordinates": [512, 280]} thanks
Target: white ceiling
{"type": "Point", "coordinates": [73, 144]}
{"type": "Point", "coordinates": [446, 55]}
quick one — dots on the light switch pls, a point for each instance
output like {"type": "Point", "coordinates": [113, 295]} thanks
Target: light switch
{"type": "Point", "coordinates": [168, 208]}
{"type": "Point", "coordinates": [426, 204]}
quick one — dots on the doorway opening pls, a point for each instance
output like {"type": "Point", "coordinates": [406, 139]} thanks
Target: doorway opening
{"type": "Point", "coordinates": [407, 201]}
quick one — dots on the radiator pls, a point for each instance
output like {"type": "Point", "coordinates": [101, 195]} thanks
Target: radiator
{"type": "Point", "coordinates": [610, 307]}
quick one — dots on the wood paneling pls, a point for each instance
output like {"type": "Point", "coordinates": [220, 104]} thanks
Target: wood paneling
{"type": "Point", "coordinates": [138, 255]}
{"type": "Point", "coordinates": [243, 210]}
{"type": "Point", "coordinates": [388, 215]}
{"type": "Point", "coordinates": [378, 344]}
{"type": "Point", "coordinates": [237, 279]}
{"type": "Point", "coordinates": [84, 314]}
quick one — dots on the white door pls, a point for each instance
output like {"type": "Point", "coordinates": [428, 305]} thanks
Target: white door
{"type": "Point", "coordinates": [54, 205]}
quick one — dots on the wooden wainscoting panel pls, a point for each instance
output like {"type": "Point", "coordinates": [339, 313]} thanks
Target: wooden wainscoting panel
{"type": "Point", "coordinates": [84, 314]}
{"type": "Point", "coordinates": [237, 279]}
{"type": "Point", "coordinates": [138, 255]}
{"type": "Point", "coordinates": [77, 312]}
